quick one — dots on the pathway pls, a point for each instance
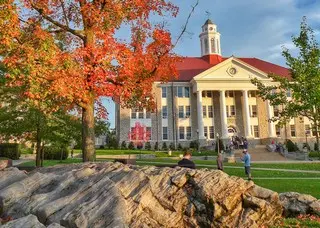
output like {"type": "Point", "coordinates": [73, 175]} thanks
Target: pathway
{"type": "Point", "coordinates": [239, 167]}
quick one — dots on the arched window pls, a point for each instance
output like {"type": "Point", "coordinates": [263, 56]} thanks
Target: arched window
{"type": "Point", "coordinates": [206, 46]}
{"type": "Point", "coordinates": [213, 46]}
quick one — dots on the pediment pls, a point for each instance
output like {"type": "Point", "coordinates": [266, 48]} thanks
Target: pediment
{"type": "Point", "coordinates": [231, 69]}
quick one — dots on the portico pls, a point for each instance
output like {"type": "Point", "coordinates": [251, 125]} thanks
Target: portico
{"type": "Point", "coordinates": [236, 102]}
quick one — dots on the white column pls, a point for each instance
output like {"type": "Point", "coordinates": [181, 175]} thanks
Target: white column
{"type": "Point", "coordinates": [223, 114]}
{"type": "Point", "coordinates": [245, 107]}
{"type": "Point", "coordinates": [272, 133]}
{"type": "Point", "coordinates": [200, 118]}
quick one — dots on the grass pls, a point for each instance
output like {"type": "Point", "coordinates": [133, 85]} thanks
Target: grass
{"type": "Point", "coordinates": [303, 221]}
{"type": "Point", "coordinates": [156, 153]}
{"type": "Point", "coordinates": [299, 184]}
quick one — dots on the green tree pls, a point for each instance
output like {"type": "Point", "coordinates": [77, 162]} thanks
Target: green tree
{"type": "Point", "coordinates": [304, 83]}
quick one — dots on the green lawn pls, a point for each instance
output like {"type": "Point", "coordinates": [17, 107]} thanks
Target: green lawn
{"type": "Point", "coordinates": [297, 184]}
{"type": "Point", "coordinates": [156, 153]}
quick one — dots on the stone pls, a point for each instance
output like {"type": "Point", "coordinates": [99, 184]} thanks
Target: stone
{"type": "Point", "coordinates": [29, 221]}
{"type": "Point", "coordinates": [295, 204]}
{"type": "Point", "coordinates": [118, 195]}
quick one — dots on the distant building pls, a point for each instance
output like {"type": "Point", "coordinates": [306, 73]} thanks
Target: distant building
{"type": "Point", "coordinates": [213, 94]}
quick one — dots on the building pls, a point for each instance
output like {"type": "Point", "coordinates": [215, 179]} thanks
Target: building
{"type": "Point", "coordinates": [213, 96]}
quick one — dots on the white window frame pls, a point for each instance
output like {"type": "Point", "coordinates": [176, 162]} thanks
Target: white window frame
{"type": "Point", "coordinates": [188, 133]}
{"type": "Point", "coordinates": [165, 133]}
{"type": "Point", "coordinates": [164, 92]}
{"type": "Point", "coordinates": [165, 107]}
{"type": "Point", "coordinates": [188, 111]}
{"type": "Point", "coordinates": [293, 130]}
{"type": "Point", "coordinates": [182, 133]}
{"type": "Point", "coordinates": [210, 111]}
{"type": "Point", "coordinates": [181, 112]}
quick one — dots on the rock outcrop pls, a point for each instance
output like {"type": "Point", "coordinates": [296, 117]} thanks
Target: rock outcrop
{"type": "Point", "coordinates": [299, 204]}
{"type": "Point", "coordinates": [117, 195]}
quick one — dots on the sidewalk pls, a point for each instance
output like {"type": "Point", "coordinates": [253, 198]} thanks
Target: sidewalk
{"type": "Point", "coordinates": [241, 167]}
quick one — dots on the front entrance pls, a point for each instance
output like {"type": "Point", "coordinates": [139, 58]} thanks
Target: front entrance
{"type": "Point", "coordinates": [232, 131]}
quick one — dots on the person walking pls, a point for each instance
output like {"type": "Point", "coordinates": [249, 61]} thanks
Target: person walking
{"type": "Point", "coordinates": [220, 161]}
{"type": "Point", "coordinates": [247, 161]}
{"type": "Point", "coordinates": [186, 160]}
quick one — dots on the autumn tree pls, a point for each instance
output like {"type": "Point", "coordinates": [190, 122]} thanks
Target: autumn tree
{"type": "Point", "coordinates": [72, 47]}
{"type": "Point", "coordinates": [304, 83]}
{"type": "Point", "coordinates": [139, 134]}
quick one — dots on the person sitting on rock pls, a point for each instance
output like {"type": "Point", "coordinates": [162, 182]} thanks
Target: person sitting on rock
{"type": "Point", "coordinates": [186, 162]}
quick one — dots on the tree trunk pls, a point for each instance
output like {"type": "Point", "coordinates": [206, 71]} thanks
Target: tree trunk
{"type": "Point", "coordinates": [88, 137]}
{"type": "Point", "coordinates": [38, 137]}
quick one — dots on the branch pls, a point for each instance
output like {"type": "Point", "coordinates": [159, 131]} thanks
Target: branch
{"type": "Point", "coordinates": [58, 24]}
{"type": "Point", "coordinates": [186, 24]}
{"type": "Point", "coordinates": [64, 13]}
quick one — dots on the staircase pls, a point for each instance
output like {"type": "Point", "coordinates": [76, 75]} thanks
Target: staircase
{"type": "Point", "coordinates": [260, 153]}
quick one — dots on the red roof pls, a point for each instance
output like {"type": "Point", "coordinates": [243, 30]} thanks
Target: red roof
{"type": "Point", "coordinates": [192, 66]}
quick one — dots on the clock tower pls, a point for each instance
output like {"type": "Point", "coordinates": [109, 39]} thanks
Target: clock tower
{"type": "Point", "coordinates": [210, 39]}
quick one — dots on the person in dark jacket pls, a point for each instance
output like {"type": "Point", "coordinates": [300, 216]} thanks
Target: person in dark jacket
{"type": "Point", "coordinates": [186, 162]}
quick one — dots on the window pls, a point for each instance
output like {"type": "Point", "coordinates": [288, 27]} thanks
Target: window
{"type": "Point", "coordinates": [148, 115]}
{"type": "Point", "coordinates": [206, 46]}
{"type": "Point", "coordinates": [165, 133]}
{"type": "Point", "coordinates": [181, 112]}
{"type": "Point", "coordinates": [140, 114]}
{"type": "Point", "coordinates": [256, 131]}
{"type": "Point", "coordinates": [232, 110]}
{"type": "Point", "coordinates": [293, 130]}
{"type": "Point", "coordinates": [204, 94]}
{"type": "Point", "coordinates": [211, 132]}
{"type": "Point", "coordinates": [253, 110]}
{"type": "Point", "coordinates": [276, 110]}
{"type": "Point", "coordinates": [188, 133]}
{"type": "Point", "coordinates": [288, 92]}
{"type": "Point", "coordinates": [181, 132]}
{"type": "Point", "coordinates": [134, 113]}
{"type": "Point", "coordinates": [164, 92]}
{"type": "Point", "coordinates": [252, 93]}
{"type": "Point", "coordinates": [314, 132]}
{"type": "Point", "coordinates": [213, 45]}
{"type": "Point", "coordinates": [209, 93]}
{"type": "Point", "coordinates": [278, 130]}
{"type": "Point", "coordinates": [187, 111]}
{"type": "Point", "coordinates": [148, 133]}
{"type": "Point", "coordinates": [187, 91]}
{"type": "Point", "coordinates": [205, 131]}
{"type": "Point", "coordinates": [204, 111]}
{"type": "Point", "coordinates": [133, 135]}
{"type": "Point", "coordinates": [210, 111]}
{"type": "Point", "coordinates": [307, 129]}
{"type": "Point", "coordinates": [164, 112]}
{"type": "Point", "coordinates": [180, 91]}
{"type": "Point", "coordinates": [229, 93]}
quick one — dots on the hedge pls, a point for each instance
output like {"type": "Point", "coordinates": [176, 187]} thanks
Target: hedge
{"type": "Point", "coordinates": [54, 153]}
{"type": "Point", "coordinates": [314, 154]}
{"type": "Point", "coordinates": [10, 150]}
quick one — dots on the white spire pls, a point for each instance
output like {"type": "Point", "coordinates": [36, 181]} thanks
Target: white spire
{"type": "Point", "coordinates": [210, 39]}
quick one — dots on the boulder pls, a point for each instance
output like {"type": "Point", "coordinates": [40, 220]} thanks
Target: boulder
{"type": "Point", "coordinates": [118, 195]}
{"type": "Point", "coordinates": [295, 204]}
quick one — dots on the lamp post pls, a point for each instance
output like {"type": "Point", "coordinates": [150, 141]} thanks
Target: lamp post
{"type": "Point", "coordinates": [198, 144]}
{"type": "Point", "coordinates": [218, 142]}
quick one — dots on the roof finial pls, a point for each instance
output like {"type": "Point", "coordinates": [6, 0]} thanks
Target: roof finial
{"type": "Point", "coordinates": [208, 14]}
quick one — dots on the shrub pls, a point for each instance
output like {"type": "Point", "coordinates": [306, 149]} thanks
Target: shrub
{"type": "Point", "coordinates": [291, 146]}
{"type": "Point", "coordinates": [10, 150]}
{"type": "Point", "coordinates": [316, 147]}
{"type": "Point", "coordinates": [194, 144]}
{"type": "Point", "coordinates": [131, 146]}
{"type": "Point", "coordinates": [164, 146]}
{"type": "Point", "coordinates": [55, 152]}
{"type": "Point", "coordinates": [314, 154]}
{"type": "Point", "coordinates": [147, 146]}
{"type": "Point", "coordinates": [179, 147]}
{"type": "Point", "coordinates": [139, 145]}
{"type": "Point", "coordinates": [221, 146]}
{"type": "Point", "coordinates": [124, 145]}
{"type": "Point", "coordinates": [171, 146]}
{"type": "Point", "coordinates": [101, 147]}
{"type": "Point", "coordinates": [156, 146]}
{"type": "Point", "coordinates": [306, 145]}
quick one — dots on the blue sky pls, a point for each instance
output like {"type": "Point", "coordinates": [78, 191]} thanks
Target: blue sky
{"type": "Point", "coordinates": [249, 28]}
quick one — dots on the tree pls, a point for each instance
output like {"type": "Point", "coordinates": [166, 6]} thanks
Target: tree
{"type": "Point", "coordinates": [72, 48]}
{"type": "Point", "coordinates": [139, 134]}
{"type": "Point", "coordinates": [303, 83]}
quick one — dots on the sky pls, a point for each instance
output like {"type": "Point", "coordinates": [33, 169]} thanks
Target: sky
{"type": "Point", "coordinates": [248, 28]}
